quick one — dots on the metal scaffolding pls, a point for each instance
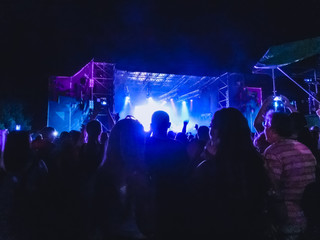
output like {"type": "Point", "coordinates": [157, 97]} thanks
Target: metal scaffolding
{"type": "Point", "coordinates": [223, 90]}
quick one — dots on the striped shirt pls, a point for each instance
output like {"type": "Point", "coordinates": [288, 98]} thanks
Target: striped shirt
{"type": "Point", "coordinates": [291, 167]}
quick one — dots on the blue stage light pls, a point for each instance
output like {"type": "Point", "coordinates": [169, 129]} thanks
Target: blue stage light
{"type": "Point", "coordinates": [184, 111]}
{"type": "Point", "coordinates": [18, 127]}
{"type": "Point", "coordinates": [127, 100]}
{"type": "Point", "coordinates": [277, 98]}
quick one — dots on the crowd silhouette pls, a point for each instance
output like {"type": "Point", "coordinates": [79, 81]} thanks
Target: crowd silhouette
{"type": "Point", "coordinates": [220, 183]}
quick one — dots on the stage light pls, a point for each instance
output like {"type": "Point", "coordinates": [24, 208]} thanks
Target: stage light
{"type": "Point", "coordinates": [55, 133]}
{"type": "Point", "coordinates": [184, 111]}
{"type": "Point", "coordinates": [164, 102]}
{"type": "Point", "coordinates": [277, 102]}
{"type": "Point", "coordinates": [91, 104]}
{"type": "Point", "coordinates": [150, 100]}
{"type": "Point", "coordinates": [173, 106]}
{"type": "Point", "coordinates": [277, 98]}
{"type": "Point", "coordinates": [127, 100]}
{"type": "Point", "coordinates": [104, 103]}
{"type": "Point", "coordinates": [18, 127]}
{"type": "Point", "coordinates": [144, 112]}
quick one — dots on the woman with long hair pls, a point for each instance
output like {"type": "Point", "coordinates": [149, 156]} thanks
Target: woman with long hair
{"type": "Point", "coordinates": [122, 184]}
{"type": "Point", "coordinates": [231, 184]}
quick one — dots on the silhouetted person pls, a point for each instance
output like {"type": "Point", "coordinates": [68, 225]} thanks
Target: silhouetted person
{"type": "Point", "coordinates": [182, 136]}
{"type": "Point", "coordinates": [172, 135]}
{"type": "Point", "coordinates": [121, 189]}
{"type": "Point", "coordinates": [46, 146]}
{"type": "Point", "coordinates": [301, 133]}
{"type": "Point", "coordinates": [78, 202]}
{"type": "Point", "coordinates": [291, 167]}
{"type": "Point", "coordinates": [22, 196]}
{"type": "Point", "coordinates": [267, 108]}
{"type": "Point", "coordinates": [230, 186]}
{"type": "Point", "coordinates": [91, 153]}
{"type": "Point", "coordinates": [196, 146]}
{"type": "Point", "coordinates": [167, 163]}
{"type": "Point", "coordinates": [64, 136]}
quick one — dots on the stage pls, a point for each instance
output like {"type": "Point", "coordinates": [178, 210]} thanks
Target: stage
{"type": "Point", "coordinates": [99, 86]}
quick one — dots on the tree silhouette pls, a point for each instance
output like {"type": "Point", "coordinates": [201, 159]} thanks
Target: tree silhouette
{"type": "Point", "coordinates": [12, 114]}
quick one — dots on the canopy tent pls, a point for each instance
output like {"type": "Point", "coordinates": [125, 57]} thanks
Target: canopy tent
{"type": "Point", "coordinates": [285, 54]}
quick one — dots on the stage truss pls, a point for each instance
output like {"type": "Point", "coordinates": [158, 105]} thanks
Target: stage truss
{"type": "Point", "coordinates": [98, 86]}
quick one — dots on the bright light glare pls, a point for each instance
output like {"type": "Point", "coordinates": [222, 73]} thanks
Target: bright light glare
{"type": "Point", "coordinates": [18, 127]}
{"type": "Point", "coordinates": [127, 100]}
{"type": "Point", "coordinates": [184, 111]}
{"type": "Point", "coordinates": [277, 98]}
{"type": "Point", "coordinates": [55, 133]}
{"type": "Point", "coordinates": [144, 112]}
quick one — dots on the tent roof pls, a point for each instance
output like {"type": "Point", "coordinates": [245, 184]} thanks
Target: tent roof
{"type": "Point", "coordinates": [285, 54]}
{"type": "Point", "coordinates": [164, 85]}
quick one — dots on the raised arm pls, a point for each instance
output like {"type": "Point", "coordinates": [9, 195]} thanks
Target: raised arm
{"type": "Point", "coordinates": [184, 129]}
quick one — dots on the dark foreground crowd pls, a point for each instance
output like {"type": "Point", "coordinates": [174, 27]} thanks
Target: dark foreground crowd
{"type": "Point", "coordinates": [126, 184]}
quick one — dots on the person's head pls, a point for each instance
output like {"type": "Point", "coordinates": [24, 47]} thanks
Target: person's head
{"type": "Point", "coordinates": [182, 137]}
{"type": "Point", "coordinates": [17, 151]}
{"type": "Point", "coordinates": [126, 144]}
{"type": "Point", "coordinates": [237, 163]}
{"type": "Point", "coordinates": [229, 129]}
{"type": "Point", "coordinates": [203, 133]}
{"type": "Point", "coordinates": [48, 134]}
{"type": "Point", "coordinates": [75, 136]}
{"type": "Point", "coordinates": [229, 126]}
{"type": "Point", "coordinates": [94, 129]}
{"type": "Point", "coordinates": [191, 137]}
{"type": "Point", "coordinates": [172, 135]}
{"type": "Point", "coordinates": [277, 126]}
{"type": "Point", "coordinates": [64, 136]}
{"type": "Point", "coordinates": [160, 122]}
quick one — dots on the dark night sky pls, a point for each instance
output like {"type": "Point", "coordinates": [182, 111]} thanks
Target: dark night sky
{"type": "Point", "coordinates": [44, 38]}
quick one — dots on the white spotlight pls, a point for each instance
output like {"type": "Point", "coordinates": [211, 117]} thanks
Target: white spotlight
{"type": "Point", "coordinates": [127, 100]}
